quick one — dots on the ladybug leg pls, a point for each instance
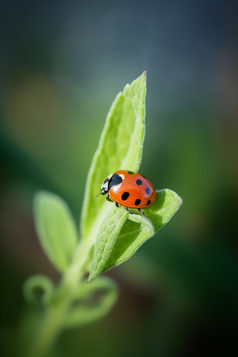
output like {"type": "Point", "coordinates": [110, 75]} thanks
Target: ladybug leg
{"type": "Point", "coordinates": [117, 204]}
{"type": "Point", "coordinates": [128, 210]}
{"type": "Point", "coordinates": [108, 198]}
{"type": "Point", "coordinates": [140, 210]}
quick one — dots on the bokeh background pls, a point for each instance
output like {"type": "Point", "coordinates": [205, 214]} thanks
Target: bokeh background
{"type": "Point", "coordinates": [61, 65]}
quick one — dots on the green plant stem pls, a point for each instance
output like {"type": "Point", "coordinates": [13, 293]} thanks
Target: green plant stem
{"type": "Point", "coordinates": [53, 319]}
{"type": "Point", "coordinates": [49, 329]}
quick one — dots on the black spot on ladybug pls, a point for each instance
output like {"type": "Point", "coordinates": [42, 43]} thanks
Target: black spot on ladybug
{"type": "Point", "coordinates": [106, 180]}
{"type": "Point", "coordinates": [130, 172]}
{"type": "Point", "coordinates": [138, 182]}
{"type": "Point", "coordinates": [115, 180]}
{"type": "Point", "coordinates": [148, 202]}
{"type": "Point", "coordinates": [137, 202]}
{"type": "Point", "coordinates": [125, 196]}
{"type": "Point", "coordinates": [147, 190]}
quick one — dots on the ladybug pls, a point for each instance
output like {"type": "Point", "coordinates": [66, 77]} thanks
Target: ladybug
{"type": "Point", "coordinates": [129, 189]}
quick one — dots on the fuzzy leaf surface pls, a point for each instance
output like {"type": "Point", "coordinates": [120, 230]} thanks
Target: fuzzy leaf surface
{"type": "Point", "coordinates": [138, 229]}
{"type": "Point", "coordinates": [106, 240]}
{"type": "Point", "coordinates": [120, 147]}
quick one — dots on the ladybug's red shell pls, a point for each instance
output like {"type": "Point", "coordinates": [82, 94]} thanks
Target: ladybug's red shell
{"type": "Point", "coordinates": [134, 191]}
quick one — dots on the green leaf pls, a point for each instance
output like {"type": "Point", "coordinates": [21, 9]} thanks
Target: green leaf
{"type": "Point", "coordinates": [89, 307]}
{"type": "Point", "coordinates": [120, 147]}
{"type": "Point", "coordinates": [107, 236]}
{"type": "Point", "coordinates": [56, 229]}
{"type": "Point", "coordinates": [139, 229]}
{"type": "Point", "coordinates": [119, 238]}
{"type": "Point", "coordinates": [38, 290]}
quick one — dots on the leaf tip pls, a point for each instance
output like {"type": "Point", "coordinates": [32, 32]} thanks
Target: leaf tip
{"type": "Point", "coordinates": [40, 195]}
{"type": "Point", "coordinates": [90, 280]}
{"type": "Point", "coordinates": [37, 200]}
{"type": "Point", "coordinates": [143, 75]}
{"type": "Point", "coordinates": [180, 201]}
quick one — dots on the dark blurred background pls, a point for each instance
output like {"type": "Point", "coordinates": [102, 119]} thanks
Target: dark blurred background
{"type": "Point", "coordinates": [61, 65]}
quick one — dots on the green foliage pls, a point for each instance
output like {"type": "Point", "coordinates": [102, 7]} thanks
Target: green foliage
{"type": "Point", "coordinates": [38, 290]}
{"type": "Point", "coordinates": [109, 235]}
{"type": "Point", "coordinates": [106, 240]}
{"type": "Point", "coordinates": [119, 238]}
{"type": "Point", "coordinates": [139, 229]}
{"type": "Point", "coordinates": [120, 147]}
{"type": "Point", "coordinates": [56, 229]}
{"type": "Point", "coordinates": [85, 309]}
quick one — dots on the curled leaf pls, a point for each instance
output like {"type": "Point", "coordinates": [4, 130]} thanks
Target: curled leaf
{"type": "Point", "coordinates": [119, 237]}
{"type": "Point", "coordinates": [92, 302]}
{"type": "Point", "coordinates": [137, 231]}
{"type": "Point", "coordinates": [38, 290]}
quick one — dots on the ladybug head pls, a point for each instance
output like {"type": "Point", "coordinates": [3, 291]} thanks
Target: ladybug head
{"type": "Point", "coordinates": [105, 185]}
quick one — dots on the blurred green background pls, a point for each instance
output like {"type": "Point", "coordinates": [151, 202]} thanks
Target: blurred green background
{"type": "Point", "coordinates": [61, 65]}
